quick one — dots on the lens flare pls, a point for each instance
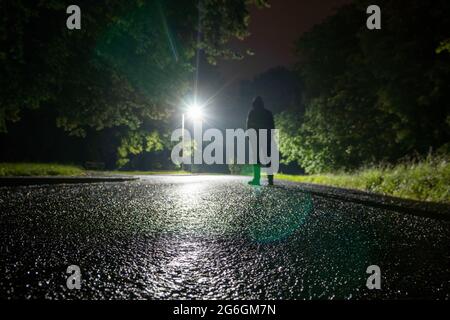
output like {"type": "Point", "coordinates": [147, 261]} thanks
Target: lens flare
{"type": "Point", "coordinates": [195, 112]}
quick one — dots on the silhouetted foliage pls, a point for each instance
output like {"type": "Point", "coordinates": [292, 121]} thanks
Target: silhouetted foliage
{"type": "Point", "coordinates": [127, 67]}
{"type": "Point", "coordinates": [371, 96]}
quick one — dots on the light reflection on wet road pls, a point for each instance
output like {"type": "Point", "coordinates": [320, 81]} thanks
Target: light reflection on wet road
{"type": "Point", "coordinates": [168, 237]}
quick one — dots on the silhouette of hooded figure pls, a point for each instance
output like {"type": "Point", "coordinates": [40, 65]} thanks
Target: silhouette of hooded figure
{"type": "Point", "coordinates": [260, 118]}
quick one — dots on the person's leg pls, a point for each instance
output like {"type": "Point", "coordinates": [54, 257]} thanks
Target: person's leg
{"type": "Point", "coordinates": [257, 172]}
{"type": "Point", "coordinates": [256, 175]}
{"type": "Point", "coordinates": [270, 177]}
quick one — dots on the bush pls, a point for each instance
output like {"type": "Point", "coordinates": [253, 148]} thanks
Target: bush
{"type": "Point", "coordinates": [426, 180]}
{"type": "Point", "coordinates": [241, 169]}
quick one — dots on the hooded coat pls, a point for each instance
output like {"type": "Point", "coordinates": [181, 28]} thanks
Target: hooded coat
{"type": "Point", "coordinates": [260, 118]}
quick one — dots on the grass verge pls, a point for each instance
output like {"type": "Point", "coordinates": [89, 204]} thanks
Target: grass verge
{"type": "Point", "coordinates": [427, 180]}
{"type": "Point", "coordinates": [149, 173]}
{"type": "Point", "coordinates": [39, 169]}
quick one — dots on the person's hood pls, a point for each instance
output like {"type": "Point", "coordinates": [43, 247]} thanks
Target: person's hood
{"type": "Point", "coordinates": [258, 103]}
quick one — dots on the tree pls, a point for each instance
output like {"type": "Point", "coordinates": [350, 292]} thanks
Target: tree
{"type": "Point", "coordinates": [125, 70]}
{"type": "Point", "coordinates": [371, 96]}
{"type": "Point", "coordinates": [124, 66]}
{"type": "Point", "coordinates": [444, 46]}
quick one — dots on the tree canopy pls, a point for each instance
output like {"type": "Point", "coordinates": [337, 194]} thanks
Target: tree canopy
{"type": "Point", "coordinates": [130, 61]}
{"type": "Point", "coordinates": [371, 95]}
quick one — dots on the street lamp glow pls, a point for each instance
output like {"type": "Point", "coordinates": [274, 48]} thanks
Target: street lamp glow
{"type": "Point", "coordinates": [195, 112]}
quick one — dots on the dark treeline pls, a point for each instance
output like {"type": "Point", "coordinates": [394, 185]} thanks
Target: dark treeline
{"type": "Point", "coordinates": [106, 92]}
{"type": "Point", "coordinates": [371, 96]}
{"type": "Point", "coordinates": [111, 91]}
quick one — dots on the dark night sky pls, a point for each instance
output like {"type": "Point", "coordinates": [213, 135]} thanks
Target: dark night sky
{"type": "Point", "coordinates": [273, 34]}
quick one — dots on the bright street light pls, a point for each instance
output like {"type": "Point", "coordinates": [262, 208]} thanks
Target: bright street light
{"type": "Point", "coordinates": [195, 112]}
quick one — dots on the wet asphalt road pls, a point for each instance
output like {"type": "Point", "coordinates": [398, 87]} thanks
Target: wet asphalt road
{"type": "Point", "coordinates": [212, 237]}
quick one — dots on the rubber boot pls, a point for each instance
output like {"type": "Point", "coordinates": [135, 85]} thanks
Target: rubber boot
{"type": "Point", "coordinates": [270, 177]}
{"type": "Point", "coordinates": [256, 175]}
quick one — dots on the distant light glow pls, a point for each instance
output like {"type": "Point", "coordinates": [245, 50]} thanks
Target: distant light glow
{"type": "Point", "coordinates": [195, 112]}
